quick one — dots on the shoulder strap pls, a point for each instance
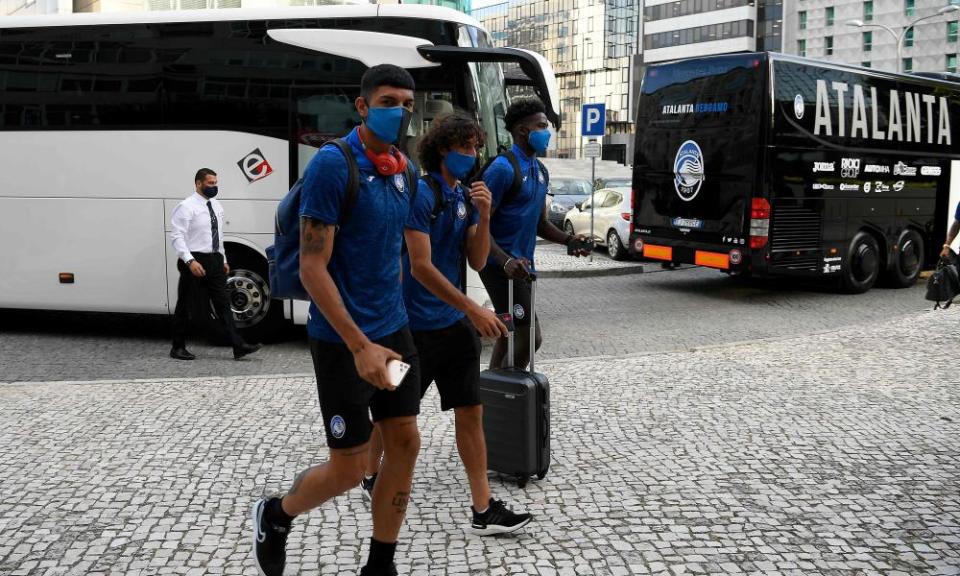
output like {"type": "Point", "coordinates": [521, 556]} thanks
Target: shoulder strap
{"type": "Point", "coordinates": [517, 176]}
{"type": "Point", "coordinates": [438, 203]}
{"type": "Point", "coordinates": [412, 181]}
{"type": "Point", "coordinates": [353, 180]}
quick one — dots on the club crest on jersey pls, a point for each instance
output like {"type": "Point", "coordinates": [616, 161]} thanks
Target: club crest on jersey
{"type": "Point", "coordinates": [398, 182]}
{"type": "Point", "coordinates": [338, 427]}
{"type": "Point", "coordinates": [461, 210]}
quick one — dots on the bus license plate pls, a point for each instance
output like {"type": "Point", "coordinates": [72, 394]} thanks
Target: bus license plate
{"type": "Point", "coordinates": [687, 223]}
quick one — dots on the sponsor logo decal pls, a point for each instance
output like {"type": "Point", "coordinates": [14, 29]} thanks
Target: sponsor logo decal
{"type": "Point", "coordinates": [254, 166]}
{"type": "Point", "coordinates": [831, 268]}
{"type": "Point", "coordinates": [822, 186]}
{"type": "Point", "coordinates": [876, 169]}
{"type": "Point", "coordinates": [337, 426]}
{"type": "Point", "coordinates": [798, 106]}
{"type": "Point", "coordinates": [898, 186]}
{"type": "Point", "coordinates": [687, 223]}
{"type": "Point", "coordinates": [824, 166]}
{"type": "Point", "coordinates": [850, 187]}
{"type": "Point", "coordinates": [930, 170]}
{"type": "Point", "coordinates": [901, 169]}
{"type": "Point", "coordinates": [849, 167]}
{"type": "Point", "coordinates": [688, 170]}
{"type": "Point", "coordinates": [866, 187]}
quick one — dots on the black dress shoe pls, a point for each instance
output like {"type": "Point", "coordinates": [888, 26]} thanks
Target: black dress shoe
{"type": "Point", "coordinates": [180, 353]}
{"type": "Point", "coordinates": [244, 349]}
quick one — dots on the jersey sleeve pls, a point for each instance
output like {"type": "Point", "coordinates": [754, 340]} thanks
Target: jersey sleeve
{"type": "Point", "coordinates": [421, 209]}
{"type": "Point", "coordinates": [498, 178]}
{"type": "Point", "coordinates": [324, 186]}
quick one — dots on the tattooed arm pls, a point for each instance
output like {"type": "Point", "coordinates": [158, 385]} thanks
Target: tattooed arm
{"type": "Point", "coordinates": [316, 248]}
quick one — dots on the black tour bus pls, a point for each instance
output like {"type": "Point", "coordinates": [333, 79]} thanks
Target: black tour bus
{"type": "Point", "coordinates": [769, 164]}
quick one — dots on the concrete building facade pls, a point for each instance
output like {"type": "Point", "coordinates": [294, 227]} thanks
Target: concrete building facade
{"type": "Point", "coordinates": [819, 29]}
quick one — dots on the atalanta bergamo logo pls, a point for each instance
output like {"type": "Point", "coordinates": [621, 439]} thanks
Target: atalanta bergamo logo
{"type": "Point", "coordinates": [688, 170]}
{"type": "Point", "coordinates": [461, 210]}
{"type": "Point", "coordinates": [337, 426]}
{"type": "Point", "coordinates": [254, 166]}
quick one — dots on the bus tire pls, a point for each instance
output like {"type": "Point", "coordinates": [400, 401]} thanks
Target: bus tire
{"type": "Point", "coordinates": [907, 262]}
{"type": "Point", "coordinates": [862, 264]}
{"type": "Point", "coordinates": [256, 316]}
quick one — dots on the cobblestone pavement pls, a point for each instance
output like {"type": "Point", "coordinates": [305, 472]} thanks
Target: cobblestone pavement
{"type": "Point", "coordinates": [651, 312]}
{"type": "Point", "coordinates": [833, 454]}
{"type": "Point", "coordinates": [552, 261]}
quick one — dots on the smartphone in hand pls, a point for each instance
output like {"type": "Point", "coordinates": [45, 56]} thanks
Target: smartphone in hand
{"type": "Point", "coordinates": [397, 369]}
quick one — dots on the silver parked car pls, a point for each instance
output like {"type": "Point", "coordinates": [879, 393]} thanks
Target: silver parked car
{"type": "Point", "coordinates": [611, 218]}
{"type": "Point", "coordinates": [564, 194]}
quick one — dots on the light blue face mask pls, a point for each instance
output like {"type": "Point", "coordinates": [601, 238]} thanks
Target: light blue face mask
{"type": "Point", "coordinates": [388, 124]}
{"type": "Point", "coordinates": [459, 165]}
{"type": "Point", "coordinates": [539, 140]}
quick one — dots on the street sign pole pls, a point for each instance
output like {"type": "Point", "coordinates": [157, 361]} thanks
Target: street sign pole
{"type": "Point", "coordinates": [593, 124]}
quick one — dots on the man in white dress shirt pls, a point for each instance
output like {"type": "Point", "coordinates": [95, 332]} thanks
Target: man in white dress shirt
{"type": "Point", "coordinates": [197, 236]}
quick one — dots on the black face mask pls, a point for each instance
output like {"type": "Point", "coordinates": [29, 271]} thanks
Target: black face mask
{"type": "Point", "coordinates": [210, 191]}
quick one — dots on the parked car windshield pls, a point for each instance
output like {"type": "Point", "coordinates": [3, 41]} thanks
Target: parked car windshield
{"type": "Point", "coordinates": [570, 187]}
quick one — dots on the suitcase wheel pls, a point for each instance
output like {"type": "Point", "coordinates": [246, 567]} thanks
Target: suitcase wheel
{"type": "Point", "coordinates": [522, 481]}
{"type": "Point", "coordinates": [541, 475]}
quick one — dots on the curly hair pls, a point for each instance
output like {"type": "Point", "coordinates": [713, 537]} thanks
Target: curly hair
{"type": "Point", "coordinates": [521, 109]}
{"type": "Point", "coordinates": [454, 129]}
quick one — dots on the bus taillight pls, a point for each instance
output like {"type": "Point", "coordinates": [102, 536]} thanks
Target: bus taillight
{"type": "Point", "coordinates": [759, 223]}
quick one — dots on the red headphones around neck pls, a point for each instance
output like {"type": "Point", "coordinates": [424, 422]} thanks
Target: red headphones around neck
{"type": "Point", "coordinates": [387, 163]}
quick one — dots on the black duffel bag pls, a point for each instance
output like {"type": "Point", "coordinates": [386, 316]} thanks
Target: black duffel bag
{"type": "Point", "coordinates": [944, 284]}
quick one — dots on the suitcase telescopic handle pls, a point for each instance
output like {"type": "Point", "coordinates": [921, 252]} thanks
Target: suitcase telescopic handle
{"type": "Point", "coordinates": [533, 320]}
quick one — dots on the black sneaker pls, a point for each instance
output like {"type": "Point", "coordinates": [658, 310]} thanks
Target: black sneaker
{"type": "Point", "coordinates": [498, 519]}
{"type": "Point", "coordinates": [366, 488]}
{"type": "Point", "coordinates": [269, 542]}
{"type": "Point", "coordinates": [367, 571]}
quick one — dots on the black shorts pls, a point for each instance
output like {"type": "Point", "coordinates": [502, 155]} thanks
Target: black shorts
{"type": "Point", "coordinates": [495, 281]}
{"type": "Point", "coordinates": [347, 401]}
{"type": "Point", "coordinates": [451, 358]}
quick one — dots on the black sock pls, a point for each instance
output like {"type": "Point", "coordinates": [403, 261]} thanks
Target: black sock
{"type": "Point", "coordinates": [275, 514]}
{"type": "Point", "coordinates": [381, 554]}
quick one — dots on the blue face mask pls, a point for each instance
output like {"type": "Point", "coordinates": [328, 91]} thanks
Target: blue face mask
{"type": "Point", "coordinates": [210, 191]}
{"type": "Point", "coordinates": [459, 165]}
{"type": "Point", "coordinates": [388, 124]}
{"type": "Point", "coordinates": [539, 140]}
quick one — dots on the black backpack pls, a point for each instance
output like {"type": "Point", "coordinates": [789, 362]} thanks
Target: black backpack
{"type": "Point", "coordinates": [283, 257]}
{"type": "Point", "coordinates": [517, 175]}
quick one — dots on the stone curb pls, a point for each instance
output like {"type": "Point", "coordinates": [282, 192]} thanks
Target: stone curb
{"type": "Point", "coordinates": [588, 273]}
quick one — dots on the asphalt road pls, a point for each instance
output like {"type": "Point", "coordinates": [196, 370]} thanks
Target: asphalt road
{"type": "Point", "coordinates": [582, 317]}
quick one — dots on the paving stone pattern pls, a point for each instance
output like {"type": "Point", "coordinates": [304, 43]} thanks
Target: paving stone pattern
{"type": "Point", "coordinates": [834, 454]}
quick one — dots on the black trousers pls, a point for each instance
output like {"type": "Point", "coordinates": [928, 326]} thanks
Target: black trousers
{"type": "Point", "coordinates": [193, 294]}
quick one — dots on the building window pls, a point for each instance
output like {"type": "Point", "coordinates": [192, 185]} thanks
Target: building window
{"type": "Point", "coordinates": [908, 38]}
{"type": "Point", "coordinates": [909, 7]}
{"type": "Point", "coordinates": [828, 43]}
{"type": "Point", "coordinates": [590, 24]}
{"type": "Point", "coordinates": [830, 15]}
{"type": "Point", "coordinates": [867, 41]}
{"type": "Point", "coordinates": [803, 19]}
{"type": "Point", "coordinates": [711, 33]}
{"type": "Point", "coordinates": [951, 62]}
{"type": "Point", "coordinates": [908, 64]}
{"type": "Point", "coordinates": [868, 10]}
{"type": "Point", "coordinates": [801, 47]}
{"type": "Point", "coordinates": [951, 31]}
{"type": "Point", "coordinates": [865, 63]}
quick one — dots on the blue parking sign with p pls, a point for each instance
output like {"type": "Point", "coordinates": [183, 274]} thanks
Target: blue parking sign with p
{"type": "Point", "coordinates": [594, 119]}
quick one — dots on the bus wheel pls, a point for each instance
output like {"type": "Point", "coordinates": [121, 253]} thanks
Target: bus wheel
{"type": "Point", "coordinates": [862, 265]}
{"type": "Point", "coordinates": [254, 313]}
{"type": "Point", "coordinates": [907, 261]}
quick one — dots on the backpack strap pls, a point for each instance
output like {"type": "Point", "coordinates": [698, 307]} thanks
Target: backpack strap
{"type": "Point", "coordinates": [438, 202]}
{"type": "Point", "coordinates": [353, 180]}
{"type": "Point", "coordinates": [517, 177]}
{"type": "Point", "coordinates": [412, 181]}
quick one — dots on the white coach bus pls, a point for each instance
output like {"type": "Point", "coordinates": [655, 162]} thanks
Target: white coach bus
{"type": "Point", "coordinates": [106, 118]}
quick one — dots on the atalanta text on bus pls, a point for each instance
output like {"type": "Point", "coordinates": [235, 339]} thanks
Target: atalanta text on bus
{"type": "Point", "coordinates": [903, 115]}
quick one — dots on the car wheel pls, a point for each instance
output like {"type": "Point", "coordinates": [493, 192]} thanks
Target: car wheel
{"type": "Point", "coordinates": [568, 227]}
{"type": "Point", "coordinates": [862, 264]}
{"type": "Point", "coordinates": [615, 247]}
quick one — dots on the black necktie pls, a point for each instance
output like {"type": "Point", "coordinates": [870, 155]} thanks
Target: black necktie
{"type": "Point", "coordinates": [214, 228]}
